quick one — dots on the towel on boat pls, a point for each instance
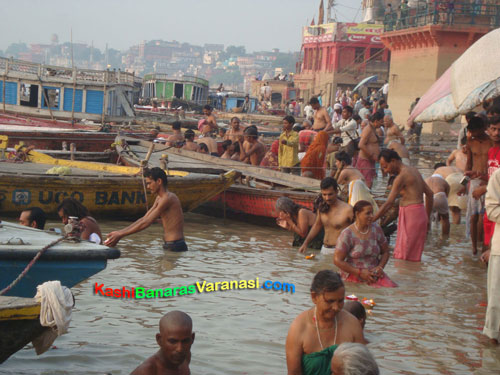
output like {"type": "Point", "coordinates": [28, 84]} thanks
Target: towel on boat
{"type": "Point", "coordinates": [56, 303]}
{"type": "Point", "coordinates": [358, 191]}
{"type": "Point", "coordinates": [412, 232]}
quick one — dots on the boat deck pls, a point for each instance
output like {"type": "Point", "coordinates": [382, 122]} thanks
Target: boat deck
{"type": "Point", "coordinates": [36, 169]}
{"type": "Point", "coordinates": [18, 308]}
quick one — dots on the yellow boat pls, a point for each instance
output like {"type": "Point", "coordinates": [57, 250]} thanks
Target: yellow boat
{"type": "Point", "coordinates": [105, 189]}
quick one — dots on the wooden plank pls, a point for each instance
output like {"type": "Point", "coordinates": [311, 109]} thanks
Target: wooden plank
{"type": "Point", "coordinates": [17, 308]}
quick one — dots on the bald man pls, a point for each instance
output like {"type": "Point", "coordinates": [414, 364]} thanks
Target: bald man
{"type": "Point", "coordinates": [175, 339]}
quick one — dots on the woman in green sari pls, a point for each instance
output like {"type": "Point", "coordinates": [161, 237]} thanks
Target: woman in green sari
{"type": "Point", "coordinates": [315, 334]}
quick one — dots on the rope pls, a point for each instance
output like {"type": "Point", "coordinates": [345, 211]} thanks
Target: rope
{"type": "Point", "coordinates": [30, 264]}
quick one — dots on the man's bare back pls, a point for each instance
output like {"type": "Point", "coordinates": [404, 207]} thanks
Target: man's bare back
{"type": "Point", "coordinates": [369, 144]}
{"type": "Point", "coordinates": [460, 159]}
{"type": "Point", "coordinates": [338, 217]}
{"type": "Point", "coordinates": [349, 174]}
{"type": "Point", "coordinates": [154, 366]}
{"type": "Point", "coordinates": [191, 146]}
{"type": "Point", "coordinates": [438, 185]}
{"type": "Point", "coordinates": [399, 148]}
{"type": "Point", "coordinates": [175, 139]}
{"type": "Point", "coordinates": [446, 171]}
{"type": "Point", "coordinates": [254, 152]}
{"type": "Point", "coordinates": [211, 144]}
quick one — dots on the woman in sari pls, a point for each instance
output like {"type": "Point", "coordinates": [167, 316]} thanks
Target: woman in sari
{"type": "Point", "coordinates": [313, 163]}
{"type": "Point", "coordinates": [270, 159]}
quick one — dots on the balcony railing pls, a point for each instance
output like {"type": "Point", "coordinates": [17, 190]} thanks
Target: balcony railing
{"type": "Point", "coordinates": [452, 13]}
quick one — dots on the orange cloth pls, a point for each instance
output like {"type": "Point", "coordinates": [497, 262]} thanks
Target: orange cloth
{"type": "Point", "coordinates": [314, 159]}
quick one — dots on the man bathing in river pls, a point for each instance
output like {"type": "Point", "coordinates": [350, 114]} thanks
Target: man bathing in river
{"type": "Point", "coordinates": [413, 217]}
{"type": "Point", "coordinates": [440, 208]}
{"type": "Point", "coordinates": [175, 339]}
{"type": "Point", "coordinates": [166, 206]}
{"type": "Point", "coordinates": [333, 215]}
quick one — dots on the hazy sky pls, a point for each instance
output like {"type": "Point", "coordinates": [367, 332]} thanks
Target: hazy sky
{"type": "Point", "coordinates": [256, 24]}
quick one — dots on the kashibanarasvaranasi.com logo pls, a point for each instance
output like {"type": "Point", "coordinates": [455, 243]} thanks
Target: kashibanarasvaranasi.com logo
{"type": "Point", "coordinates": [198, 287]}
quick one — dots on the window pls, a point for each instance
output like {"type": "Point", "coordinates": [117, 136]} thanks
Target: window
{"type": "Point", "coordinates": [51, 97]}
{"type": "Point", "coordinates": [376, 54]}
{"type": "Point", "coordinates": [29, 95]}
{"type": "Point", "coordinates": [359, 55]}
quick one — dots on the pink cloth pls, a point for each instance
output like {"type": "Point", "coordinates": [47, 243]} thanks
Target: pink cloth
{"type": "Point", "coordinates": [367, 169]}
{"type": "Point", "coordinates": [201, 123]}
{"type": "Point", "coordinates": [383, 282]}
{"type": "Point", "coordinates": [412, 232]}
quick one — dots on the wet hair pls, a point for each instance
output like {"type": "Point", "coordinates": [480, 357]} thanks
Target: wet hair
{"type": "Point", "coordinates": [326, 281]}
{"type": "Point", "coordinates": [329, 182]}
{"type": "Point", "coordinates": [251, 131]}
{"type": "Point", "coordinates": [377, 116]}
{"type": "Point", "coordinates": [235, 118]}
{"type": "Point", "coordinates": [313, 100]}
{"type": "Point", "coordinates": [495, 120]}
{"type": "Point", "coordinates": [236, 147]}
{"type": "Point", "coordinates": [155, 174]}
{"type": "Point", "coordinates": [494, 110]}
{"type": "Point", "coordinates": [356, 118]}
{"type": "Point", "coordinates": [72, 207]}
{"type": "Point", "coordinates": [289, 119]}
{"type": "Point", "coordinates": [287, 205]}
{"type": "Point", "coordinates": [439, 165]}
{"type": "Point", "coordinates": [356, 359]}
{"type": "Point", "coordinates": [344, 157]}
{"type": "Point", "coordinates": [475, 123]}
{"type": "Point", "coordinates": [207, 107]}
{"type": "Point", "coordinates": [388, 155]}
{"type": "Point", "coordinates": [469, 115]}
{"type": "Point", "coordinates": [348, 108]}
{"type": "Point", "coordinates": [223, 130]}
{"type": "Point", "coordinates": [203, 147]}
{"type": "Point", "coordinates": [356, 308]}
{"type": "Point", "coordinates": [189, 134]}
{"type": "Point", "coordinates": [359, 206]}
{"type": "Point", "coordinates": [38, 215]}
{"type": "Point", "coordinates": [176, 125]}
{"type": "Point", "coordinates": [226, 144]}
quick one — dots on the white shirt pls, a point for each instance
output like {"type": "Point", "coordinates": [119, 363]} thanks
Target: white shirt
{"type": "Point", "coordinates": [385, 89]}
{"type": "Point", "coordinates": [347, 127]}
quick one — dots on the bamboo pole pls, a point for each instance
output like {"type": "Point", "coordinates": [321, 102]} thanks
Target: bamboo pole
{"type": "Point", "coordinates": [73, 99]}
{"type": "Point", "coordinates": [104, 97]}
{"type": "Point", "coordinates": [3, 87]}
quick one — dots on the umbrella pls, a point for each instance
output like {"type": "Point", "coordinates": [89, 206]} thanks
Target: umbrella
{"type": "Point", "coordinates": [473, 78]}
{"type": "Point", "coordinates": [366, 81]}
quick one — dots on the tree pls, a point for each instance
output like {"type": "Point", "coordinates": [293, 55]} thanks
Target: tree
{"type": "Point", "coordinates": [236, 51]}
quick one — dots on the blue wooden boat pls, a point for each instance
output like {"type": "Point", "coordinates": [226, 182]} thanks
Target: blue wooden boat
{"type": "Point", "coordinates": [68, 261]}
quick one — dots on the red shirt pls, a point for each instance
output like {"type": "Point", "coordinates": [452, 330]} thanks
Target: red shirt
{"type": "Point", "coordinates": [493, 160]}
{"type": "Point", "coordinates": [306, 137]}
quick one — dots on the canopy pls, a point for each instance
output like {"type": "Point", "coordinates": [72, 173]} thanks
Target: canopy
{"type": "Point", "coordinates": [366, 81]}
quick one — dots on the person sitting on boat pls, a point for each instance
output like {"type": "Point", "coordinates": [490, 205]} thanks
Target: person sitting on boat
{"type": "Point", "coordinates": [190, 145]}
{"type": "Point", "coordinates": [90, 230]}
{"type": "Point", "coordinates": [236, 131]}
{"type": "Point", "coordinates": [167, 207]}
{"type": "Point", "coordinates": [174, 339]}
{"type": "Point", "coordinates": [203, 149]}
{"type": "Point", "coordinates": [176, 139]}
{"type": "Point", "coordinates": [316, 333]}
{"type": "Point", "coordinates": [362, 250]}
{"type": "Point", "coordinates": [270, 159]}
{"type": "Point", "coordinates": [252, 151]}
{"type": "Point", "coordinates": [33, 217]}
{"type": "Point", "coordinates": [299, 220]}
{"type": "Point", "coordinates": [222, 133]}
{"type": "Point", "coordinates": [236, 151]}
{"type": "Point", "coordinates": [228, 148]}
{"type": "Point", "coordinates": [313, 163]}
{"type": "Point", "coordinates": [210, 143]}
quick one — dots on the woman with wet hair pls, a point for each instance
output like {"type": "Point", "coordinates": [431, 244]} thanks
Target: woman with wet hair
{"type": "Point", "coordinates": [362, 250]}
{"type": "Point", "coordinates": [354, 359]}
{"type": "Point", "coordinates": [298, 220]}
{"type": "Point", "coordinates": [316, 333]}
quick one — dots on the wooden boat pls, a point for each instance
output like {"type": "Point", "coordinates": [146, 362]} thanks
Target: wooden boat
{"type": "Point", "coordinates": [105, 189]}
{"type": "Point", "coordinates": [68, 261]}
{"type": "Point", "coordinates": [19, 324]}
{"type": "Point", "coordinates": [242, 202]}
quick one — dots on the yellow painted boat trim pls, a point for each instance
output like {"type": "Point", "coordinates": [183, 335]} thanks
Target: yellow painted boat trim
{"type": "Point", "coordinates": [40, 158]}
{"type": "Point", "coordinates": [21, 313]}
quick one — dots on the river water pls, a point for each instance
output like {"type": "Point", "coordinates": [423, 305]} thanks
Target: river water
{"type": "Point", "coordinates": [430, 324]}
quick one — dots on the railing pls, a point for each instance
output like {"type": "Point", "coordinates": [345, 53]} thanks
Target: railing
{"type": "Point", "coordinates": [166, 77]}
{"type": "Point", "coordinates": [456, 13]}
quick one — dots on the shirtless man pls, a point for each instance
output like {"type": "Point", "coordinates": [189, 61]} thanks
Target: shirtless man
{"type": "Point", "coordinates": [236, 132]}
{"type": "Point", "coordinates": [459, 156]}
{"type": "Point", "coordinates": [90, 230]}
{"type": "Point", "coordinates": [190, 145]}
{"type": "Point", "coordinates": [413, 217]}
{"type": "Point", "coordinates": [167, 207]}
{"type": "Point", "coordinates": [210, 143]}
{"type": "Point", "coordinates": [369, 149]}
{"type": "Point", "coordinates": [440, 208]}
{"type": "Point", "coordinates": [210, 120]}
{"type": "Point", "coordinates": [402, 151]}
{"type": "Point", "coordinates": [478, 146]}
{"type": "Point", "coordinates": [175, 339]}
{"type": "Point", "coordinates": [392, 131]}
{"type": "Point", "coordinates": [251, 151]}
{"type": "Point", "coordinates": [321, 119]}
{"type": "Point", "coordinates": [457, 201]}
{"type": "Point", "coordinates": [176, 139]}
{"type": "Point", "coordinates": [333, 215]}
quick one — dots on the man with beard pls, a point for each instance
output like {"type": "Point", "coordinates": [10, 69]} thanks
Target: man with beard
{"type": "Point", "coordinates": [175, 339]}
{"type": "Point", "coordinates": [333, 215]}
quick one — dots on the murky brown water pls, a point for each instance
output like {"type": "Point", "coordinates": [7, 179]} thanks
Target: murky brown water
{"type": "Point", "coordinates": [430, 324]}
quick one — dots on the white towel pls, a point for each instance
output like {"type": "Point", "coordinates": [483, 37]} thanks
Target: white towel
{"type": "Point", "coordinates": [55, 312]}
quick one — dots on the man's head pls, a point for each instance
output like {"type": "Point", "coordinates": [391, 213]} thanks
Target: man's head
{"type": "Point", "coordinates": [189, 135]}
{"type": "Point", "coordinates": [156, 178]}
{"type": "Point", "coordinates": [288, 122]}
{"type": "Point", "coordinates": [388, 121]}
{"type": "Point", "coordinates": [357, 309]}
{"type": "Point", "coordinates": [494, 129]}
{"type": "Point", "coordinates": [347, 112]}
{"type": "Point", "coordinates": [342, 158]}
{"type": "Point", "coordinates": [327, 293]}
{"type": "Point", "coordinates": [176, 125]}
{"type": "Point", "coordinates": [314, 102]}
{"type": "Point", "coordinates": [235, 123]}
{"type": "Point", "coordinates": [33, 217]}
{"type": "Point", "coordinates": [376, 119]}
{"type": "Point", "coordinates": [329, 189]}
{"type": "Point", "coordinates": [439, 165]}
{"type": "Point", "coordinates": [337, 107]}
{"type": "Point", "coordinates": [306, 124]}
{"type": "Point", "coordinates": [469, 115]}
{"type": "Point", "coordinates": [71, 207]}
{"type": "Point", "coordinates": [203, 149]}
{"type": "Point", "coordinates": [367, 103]}
{"type": "Point", "coordinates": [382, 103]}
{"type": "Point", "coordinates": [476, 127]}
{"type": "Point", "coordinates": [175, 338]}
{"type": "Point", "coordinates": [207, 110]}
{"type": "Point", "coordinates": [390, 161]}
{"type": "Point", "coordinates": [353, 359]}
{"type": "Point", "coordinates": [251, 134]}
